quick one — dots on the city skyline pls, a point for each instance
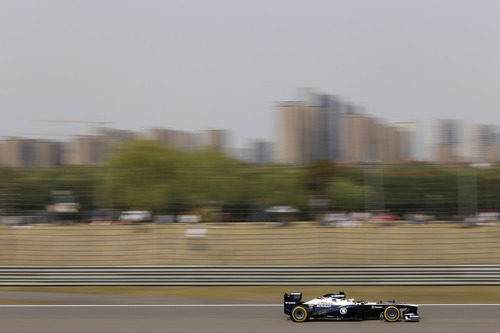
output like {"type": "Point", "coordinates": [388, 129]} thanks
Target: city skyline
{"type": "Point", "coordinates": [197, 65]}
{"type": "Point", "coordinates": [314, 126]}
{"type": "Point", "coordinates": [421, 148]}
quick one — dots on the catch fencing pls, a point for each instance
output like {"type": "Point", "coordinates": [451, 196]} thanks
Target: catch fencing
{"type": "Point", "coordinates": [255, 244]}
{"type": "Point", "coordinates": [250, 275]}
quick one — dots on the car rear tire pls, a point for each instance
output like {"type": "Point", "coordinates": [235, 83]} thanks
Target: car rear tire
{"type": "Point", "coordinates": [392, 314]}
{"type": "Point", "coordinates": [299, 314]}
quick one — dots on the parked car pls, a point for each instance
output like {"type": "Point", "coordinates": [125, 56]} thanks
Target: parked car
{"type": "Point", "coordinates": [135, 216]}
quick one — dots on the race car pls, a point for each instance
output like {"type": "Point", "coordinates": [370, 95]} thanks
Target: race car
{"type": "Point", "coordinates": [338, 307]}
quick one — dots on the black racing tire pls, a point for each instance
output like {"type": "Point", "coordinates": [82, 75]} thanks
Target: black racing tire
{"type": "Point", "coordinates": [392, 314]}
{"type": "Point", "coordinates": [299, 314]}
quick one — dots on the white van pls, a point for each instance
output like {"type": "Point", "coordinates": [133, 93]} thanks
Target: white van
{"type": "Point", "coordinates": [135, 216]}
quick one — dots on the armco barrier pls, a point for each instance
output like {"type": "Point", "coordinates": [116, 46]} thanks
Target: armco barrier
{"type": "Point", "coordinates": [249, 275]}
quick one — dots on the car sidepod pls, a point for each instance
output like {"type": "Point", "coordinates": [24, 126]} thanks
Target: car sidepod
{"type": "Point", "coordinates": [338, 312]}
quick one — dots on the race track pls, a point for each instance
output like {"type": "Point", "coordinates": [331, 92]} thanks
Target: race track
{"type": "Point", "coordinates": [223, 318]}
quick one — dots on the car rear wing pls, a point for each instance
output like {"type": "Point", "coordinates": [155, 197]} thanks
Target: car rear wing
{"type": "Point", "coordinates": [290, 301]}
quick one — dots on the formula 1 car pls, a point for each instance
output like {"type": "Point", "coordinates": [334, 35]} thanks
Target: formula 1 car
{"type": "Point", "coordinates": [338, 307]}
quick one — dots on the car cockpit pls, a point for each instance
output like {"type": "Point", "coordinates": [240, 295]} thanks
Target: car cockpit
{"type": "Point", "coordinates": [340, 295]}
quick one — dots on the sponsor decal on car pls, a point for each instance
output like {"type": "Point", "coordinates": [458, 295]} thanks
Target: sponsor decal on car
{"type": "Point", "coordinates": [324, 304]}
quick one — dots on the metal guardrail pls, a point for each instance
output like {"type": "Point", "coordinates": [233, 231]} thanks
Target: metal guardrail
{"type": "Point", "coordinates": [249, 275]}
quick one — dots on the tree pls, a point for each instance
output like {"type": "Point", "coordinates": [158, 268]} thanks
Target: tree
{"type": "Point", "coordinates": [346, 195]}
{"type": "Point", "coordinates": [141, 175]}
{"type": "Point", "coordinates": [318, 174]}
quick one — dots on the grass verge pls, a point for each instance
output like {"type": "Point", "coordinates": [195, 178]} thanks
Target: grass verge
{"type": "Point", "coordinates": [414, 294]}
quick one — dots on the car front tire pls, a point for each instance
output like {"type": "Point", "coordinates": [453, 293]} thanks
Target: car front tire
{"type": "Point", "coordinates": [392, 314]}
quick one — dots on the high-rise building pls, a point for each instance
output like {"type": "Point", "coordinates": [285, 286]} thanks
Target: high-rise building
{"type": "Point", "coordinates": [479, 143]}
{"type": "Point", "coordinates": [446, 139]}
{"type": "Point", "coordinates": [47, 154]}
{"type": "Point", "coordinates": [332, 108]}
{"type": "Point", "coordinates": [290, 138]}
{"type": "Point", "coordinates": [361, 138]}
{"type": "Point", "coordinates": [261, 151]}
{"type": "Point", "coordinates": [30, 153]}
{"type": "Point", "coordinates": [18, 152]}
{"type": "Point", "coordinates": [321, 126]}
{"type": "Point", "coordinates": [389, 144]}
{"type": "Point", "coordinates": [86, 150]}
{"type": "Point", "coordinates": [96, 148]}
{"type": "Point", "coordinates": [179, 140]}
{"type": "Point", "coordinates": [216, 139]}
{"type": "Point", "coordinates": [256, 151]}
{"type": "Point", "coordinates": [301, 133]}
{"type": "Point", "coordinates": [407, 130]}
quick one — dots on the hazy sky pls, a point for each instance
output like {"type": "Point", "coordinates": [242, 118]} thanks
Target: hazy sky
{"type": "Point", "coordinates": [203, 64]}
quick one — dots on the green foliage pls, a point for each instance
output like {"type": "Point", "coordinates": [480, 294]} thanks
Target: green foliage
{"type": "Point", "coordinates": [141, 175]}
{"type": "Point", "coordinates": [346, 195]}
{"type": "Point", "coordinates": [146, 175]}
{"type": "Point", "coordinates": [30, 189]}
{"type": "Point", "coordinates": [429, 189]}
{"type": "Point", "coordinates": [318, 174]}
{"type": "Point", "coordinates": [280, 186]}
{"type": "Point", "coordinates": [210, 176]}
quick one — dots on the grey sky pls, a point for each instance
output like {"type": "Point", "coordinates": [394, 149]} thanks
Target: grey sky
{"type": "Point", "coordinates": [221, 64]}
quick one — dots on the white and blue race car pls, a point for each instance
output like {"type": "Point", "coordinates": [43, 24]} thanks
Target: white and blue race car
{"type": "Point", "coordinates": [338, 307]}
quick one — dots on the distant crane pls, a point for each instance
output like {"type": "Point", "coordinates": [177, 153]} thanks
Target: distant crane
{"type": "Point", "coordinates": [66, 121]}
{"type": "Point", "coordinates": [77, 121]}
{"type": "Point", "coordinates": [52, 134]}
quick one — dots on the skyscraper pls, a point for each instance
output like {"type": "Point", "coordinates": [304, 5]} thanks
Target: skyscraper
{"type": "Point", "coordinates": [332, 108]}
{"type": "Point", "coordinates": [301, 133]}
{"type": "Point", "coordinates": [216, 139]}
{"type": "Point", "coordinates": [446, 139]}
{"type": "Point", "coordinates": [479, 143]}
{"type": "Point", "coordinates": [47, 154]}
{"type": "Point", "coordinates": [86, 150]}
{"type": "Point", "coordinates": [321, 126]}
{"type": "Point", "coordinates": [18, 152]}
{"type": "Point", "coordinates": [361, 138]}
{"type": "Point", "coordinates": [176, 139]}
{"type": "Point", "coordinates": [407, 130]}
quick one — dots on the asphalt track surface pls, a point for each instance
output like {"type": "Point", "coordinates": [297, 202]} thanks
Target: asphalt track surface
{"type": "Point", "coordinates": [190, 317]}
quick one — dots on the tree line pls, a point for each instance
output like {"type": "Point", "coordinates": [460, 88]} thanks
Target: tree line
{"type": "Point", "coordinates": [145, 175]}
